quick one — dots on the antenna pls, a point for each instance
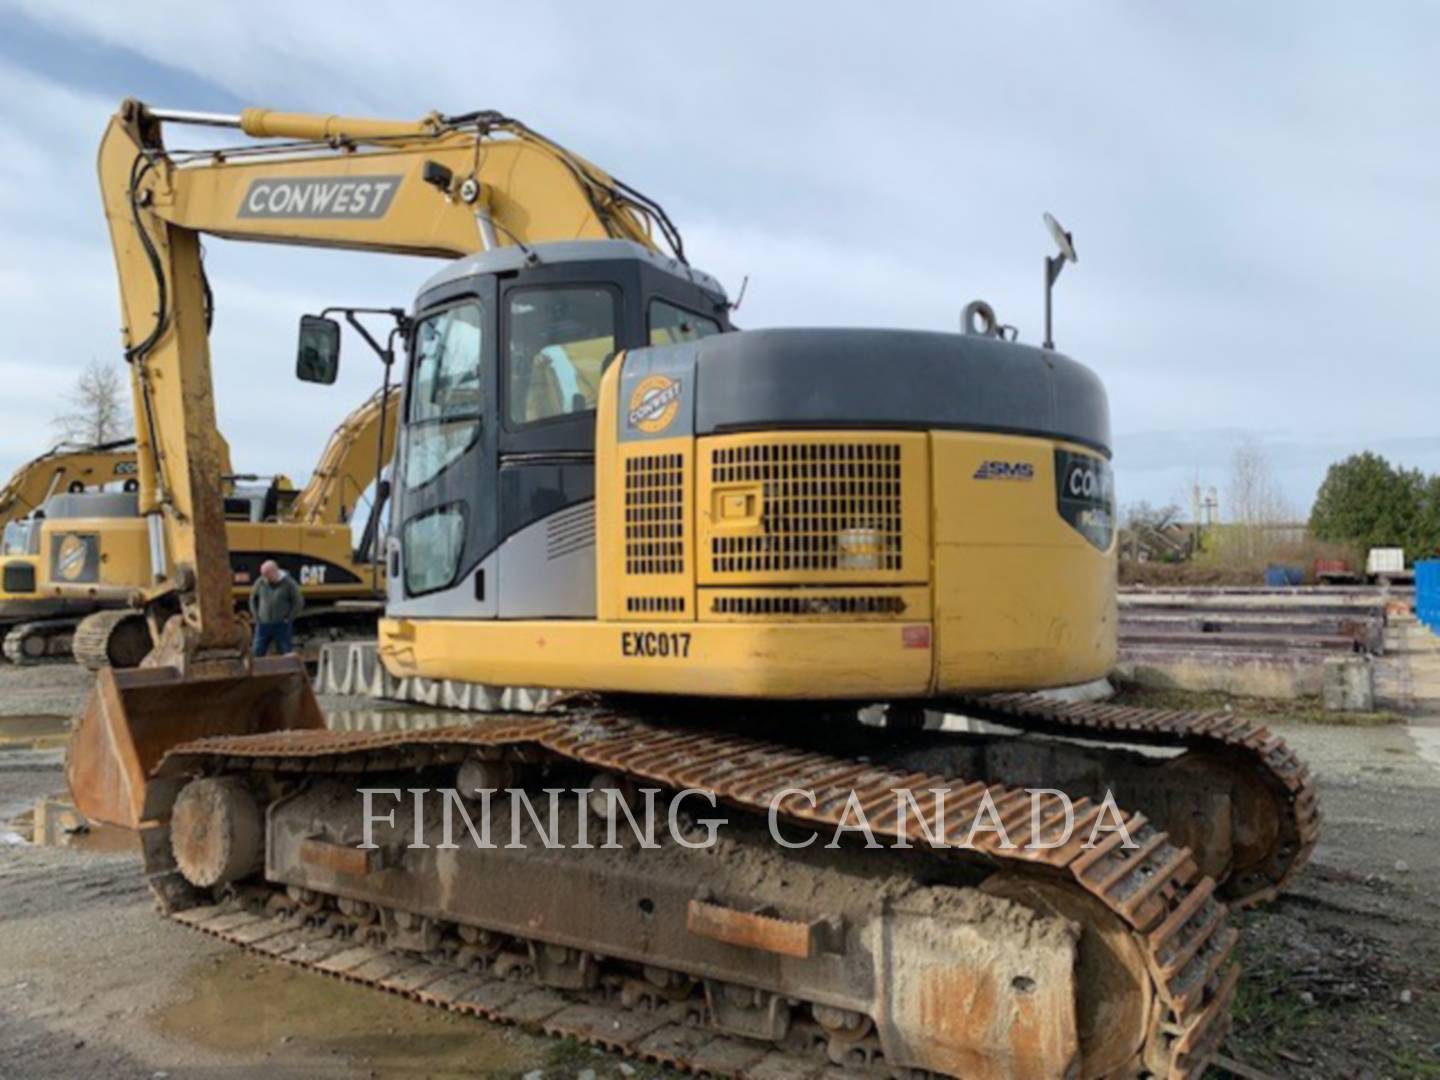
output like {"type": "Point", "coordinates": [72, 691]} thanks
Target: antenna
{"type": "Point", "coordinates": [740, 299]}
{"type": "Point", "coordinates": [1053, 265]}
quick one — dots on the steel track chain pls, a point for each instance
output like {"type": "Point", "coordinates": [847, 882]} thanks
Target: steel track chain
{"type": "Point", "coordinates": [1273, 762]}
{"type": "Point", "coordinates": [661, 1033]}
{"type": "Point", "coordinates": [1153, 887]}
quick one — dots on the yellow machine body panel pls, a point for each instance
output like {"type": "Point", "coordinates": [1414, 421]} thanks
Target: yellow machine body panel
{"type": "Point", "coordinates": [1021, 599]}
{"type": "Point", "coordinates": [812, 564]}
{"type": "Point", "coordinates": [96, 554]}
{"type": "Point", "coordinates": [797, 661]}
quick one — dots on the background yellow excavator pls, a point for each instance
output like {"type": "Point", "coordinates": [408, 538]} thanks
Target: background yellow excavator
{"type": "Point", "coordinates": [63, 470]}
{"type": "Point", "coordinates": [74, 564]}
{"type": "Point", "coordinates": [743, 539]}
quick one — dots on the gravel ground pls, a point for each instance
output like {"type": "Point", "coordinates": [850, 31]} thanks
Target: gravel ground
{"type": "Point", "coordinates": [1341, 974]}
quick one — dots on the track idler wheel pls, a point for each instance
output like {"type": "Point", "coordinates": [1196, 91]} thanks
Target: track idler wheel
{"type": "Point", "coordinates": [217, 832]}
{"type": "Point", "coordinates": [1112, 982]}
{"type": "Point", "coordinates": [117, 638]}
{"type": "Point", "coordinates": [1255, 815]}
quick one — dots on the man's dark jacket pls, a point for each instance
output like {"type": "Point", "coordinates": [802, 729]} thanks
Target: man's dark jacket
{"type": "Point", "coordinates": [277, 603]}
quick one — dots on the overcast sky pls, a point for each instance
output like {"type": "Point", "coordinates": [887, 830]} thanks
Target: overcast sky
{"type": "Point", "coordinates": [1253, 190]}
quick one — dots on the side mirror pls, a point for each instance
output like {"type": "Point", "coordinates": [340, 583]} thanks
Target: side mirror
{"type": "Point", "coordinates": [317, 359]}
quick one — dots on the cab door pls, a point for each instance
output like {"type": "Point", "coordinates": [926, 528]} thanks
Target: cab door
{"type": "Point", "coordinates": [444, 528]}
{"type": "Point", "coordinates": [560, 328]}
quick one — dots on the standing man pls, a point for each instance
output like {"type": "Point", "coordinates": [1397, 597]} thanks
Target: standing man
{"type": "Point", "coordinates": [275, 600]}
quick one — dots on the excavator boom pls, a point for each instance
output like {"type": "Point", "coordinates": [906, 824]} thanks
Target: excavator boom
{"type": "Point", "coordinates": [61, 469]}
{"type": "Point", "coordinates": [441, 186]}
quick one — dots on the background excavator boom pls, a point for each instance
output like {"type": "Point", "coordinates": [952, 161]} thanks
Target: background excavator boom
{"type": "Point", "coordinates": [56, 470]}
{"type": "Point", "coordinates": [347, 464]}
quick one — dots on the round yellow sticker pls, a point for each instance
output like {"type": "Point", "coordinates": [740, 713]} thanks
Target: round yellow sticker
{"type": "Point", "coordinates": [654, 404]}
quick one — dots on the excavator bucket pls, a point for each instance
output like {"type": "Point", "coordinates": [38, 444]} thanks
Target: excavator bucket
{"type": "Point", "coordinates": [134, 716]}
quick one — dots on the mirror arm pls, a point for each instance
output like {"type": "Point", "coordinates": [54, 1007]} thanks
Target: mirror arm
{"type": "Point", "coordinates": [386, 355]}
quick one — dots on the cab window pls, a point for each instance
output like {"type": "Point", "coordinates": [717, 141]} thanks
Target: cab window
{"type": "Point", "coordinates": [446, 391]}
{"type": "Point", "coordinates": [559, 341]}
{"type": "Point", "coordinates": [433, 543]}
{"type": "Point", "coordinates": [670, 324]}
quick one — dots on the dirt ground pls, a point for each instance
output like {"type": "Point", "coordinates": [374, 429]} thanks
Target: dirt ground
{"type": "Point", "coordinates": [1342, 975]}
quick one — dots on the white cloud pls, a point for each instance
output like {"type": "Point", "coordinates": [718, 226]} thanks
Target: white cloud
{"type": "Point", "coordinates": [1251, 189]}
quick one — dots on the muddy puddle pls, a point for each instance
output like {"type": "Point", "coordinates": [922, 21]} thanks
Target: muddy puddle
{"type": "Point", "coordinates": [102, 838]}
{"type": "Point", "coordinates": [239, 1004]}
{"type": "Point", "coordinates": [39, 732]}
{"type": "Point", "coordinates": [53, 822]}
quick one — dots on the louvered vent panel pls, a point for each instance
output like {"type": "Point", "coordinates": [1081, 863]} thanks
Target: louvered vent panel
{"type": "Point", "coordinates": [807, 605]}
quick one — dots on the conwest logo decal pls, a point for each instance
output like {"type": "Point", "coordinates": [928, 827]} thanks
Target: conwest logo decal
{"type": "Point", "coordinates": [320, 197]}
{"type": "Point", "coordinates": [654, 403]}
{"type": "Point", "coordinates": [1005, 470]}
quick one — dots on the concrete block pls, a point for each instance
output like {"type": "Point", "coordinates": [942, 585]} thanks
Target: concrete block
{"type": "Point", "coordinates": [1349, 684]}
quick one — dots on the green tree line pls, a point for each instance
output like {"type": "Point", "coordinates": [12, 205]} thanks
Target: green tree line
{"type": "Point", "coordinates": [1367, 502]}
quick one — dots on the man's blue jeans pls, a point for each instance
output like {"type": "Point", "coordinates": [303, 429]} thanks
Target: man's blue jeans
{"type": "Point", "coordinates": [273, 633]}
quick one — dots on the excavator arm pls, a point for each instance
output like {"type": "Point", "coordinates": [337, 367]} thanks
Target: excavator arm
{"type": "Point", "coordinates": [440, 186]}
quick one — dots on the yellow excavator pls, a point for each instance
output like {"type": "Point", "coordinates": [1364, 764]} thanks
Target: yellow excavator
{"type": "Point", "coordinates": [758, 557]}
{"type": "Point", "coordinates": [73, 565]}
{"type": "Point", "coordinates": [24, 500]}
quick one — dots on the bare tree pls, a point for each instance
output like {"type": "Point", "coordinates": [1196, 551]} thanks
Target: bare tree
{"type": "Point", "coordinates": [1256, 507]}
{"type": "Point", "coordinates": [98, 411]}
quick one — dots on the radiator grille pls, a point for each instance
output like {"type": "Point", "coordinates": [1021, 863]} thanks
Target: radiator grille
{"type": "Point", "coordinates": [808, 605]}
{"type": "Point", "coordinates": [655, 514]}
{"type": "Point", "coordinates": [827, 506]}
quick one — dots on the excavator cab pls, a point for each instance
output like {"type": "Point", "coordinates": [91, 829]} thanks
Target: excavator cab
{"type": "Point", "coordinates": [508, 350]}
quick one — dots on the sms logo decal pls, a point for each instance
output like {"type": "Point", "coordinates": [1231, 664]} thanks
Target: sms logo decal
{"type": "Point", "coordinates": [1005, 470]}
{"type": "Point", "coordinates": [654, 404]}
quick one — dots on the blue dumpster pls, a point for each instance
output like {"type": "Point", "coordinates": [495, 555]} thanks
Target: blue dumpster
{"type": "Point", "coordinates": [1427, 593]}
